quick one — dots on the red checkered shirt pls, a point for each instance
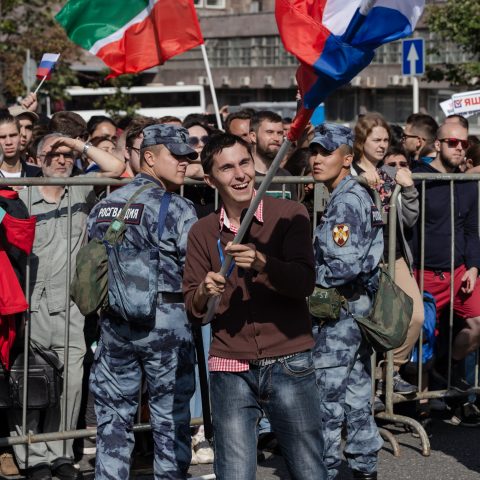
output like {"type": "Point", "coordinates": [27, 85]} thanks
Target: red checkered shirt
{"type": "Point", "coordinates": [219, 364]}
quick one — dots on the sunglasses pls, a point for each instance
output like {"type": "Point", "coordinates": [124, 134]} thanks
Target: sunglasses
{"type": "Point", "coordinates": [397, 164]}
{"type": "Point", "coordinates": [194, 141]}
{"type": "Point", "coordinates": [453, 142]}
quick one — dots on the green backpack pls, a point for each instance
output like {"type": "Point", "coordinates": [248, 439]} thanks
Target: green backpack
{"type": "Point", "coordinates": [89, 286]}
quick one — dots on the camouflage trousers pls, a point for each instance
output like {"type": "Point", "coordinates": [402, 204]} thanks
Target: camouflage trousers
{"type": "Point", "coordinates": [342, 365]}
{"type": "Point", "coordinates": [165, 355]}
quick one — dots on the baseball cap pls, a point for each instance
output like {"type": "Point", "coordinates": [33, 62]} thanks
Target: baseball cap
{"type": "Point", "coordinates": [18, 110]}
{"type": "Point", "coordinates": [330, 136]}
{"type": "Point", "coordinates": [173, 137]}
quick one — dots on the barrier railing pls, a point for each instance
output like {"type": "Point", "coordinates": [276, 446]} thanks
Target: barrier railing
{"type": "Point", "coordinates": [319, 202]}
{"type": "Point", "coordinates": [392, 398]}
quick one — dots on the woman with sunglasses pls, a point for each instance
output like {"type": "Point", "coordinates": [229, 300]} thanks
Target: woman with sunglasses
{"type": "Point", "coordinates": [372, 136]}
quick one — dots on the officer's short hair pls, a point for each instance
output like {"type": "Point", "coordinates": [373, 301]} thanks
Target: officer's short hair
{"type": "Point", "coordinates": [216, 143]}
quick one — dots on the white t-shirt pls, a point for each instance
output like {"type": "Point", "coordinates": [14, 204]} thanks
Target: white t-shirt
{"type": "Point", "coordinates": [5, 174]}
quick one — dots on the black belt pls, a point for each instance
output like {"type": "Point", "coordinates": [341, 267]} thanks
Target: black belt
{"type": "Point", "coordinates": [170, 297]}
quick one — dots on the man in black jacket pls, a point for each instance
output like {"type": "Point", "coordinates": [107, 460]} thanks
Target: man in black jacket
{"type": "Point", "coordinates": [450, 144]}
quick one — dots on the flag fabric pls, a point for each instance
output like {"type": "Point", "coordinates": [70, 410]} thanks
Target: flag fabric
{"type": "Point", "coordinates": [132, 35]}
{"type": "Point", "coordinates": [46, 65]}
{"type": "Point", "coordinates": [336, 39]}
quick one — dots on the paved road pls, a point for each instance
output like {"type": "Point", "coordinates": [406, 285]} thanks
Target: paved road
{"type": "Point", "coordinates": [455, 456]}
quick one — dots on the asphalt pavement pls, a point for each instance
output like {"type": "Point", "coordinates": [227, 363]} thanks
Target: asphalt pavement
{"type": "Point", "coordinates": [455, 455]}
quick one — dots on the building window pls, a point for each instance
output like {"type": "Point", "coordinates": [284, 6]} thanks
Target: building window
{"type": "Point", "coordinates": [214, 3]}
{"type": "Point", "coordinates": [198, 3]}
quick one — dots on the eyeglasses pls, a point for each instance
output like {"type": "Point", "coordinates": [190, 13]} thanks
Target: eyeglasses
{"type": "Point", "coordinates": [453, 142]}
{"type": "Point", "coordinates": [135, 149]}
{"type": "Point", "coordinates": [68, 157]}
{"type": "Point", "coordinates": [397, 164]}
{"type": "Point", "coordinates": [406, 135]}
{"type": "Point", "coordinates": [194, 141]}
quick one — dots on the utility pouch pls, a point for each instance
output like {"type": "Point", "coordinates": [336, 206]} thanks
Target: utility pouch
{"type": "Point", "coordinates": [325, 303]}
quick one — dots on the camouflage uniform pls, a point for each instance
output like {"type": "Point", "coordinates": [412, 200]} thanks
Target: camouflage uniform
{"type": "Point", "coordinates": [162, 350]}
{"type": "Point", "coordinates": [348, 246]}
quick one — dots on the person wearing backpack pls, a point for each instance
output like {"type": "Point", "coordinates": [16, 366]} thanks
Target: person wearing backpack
{"type": "Point", "coordinates": [348, 245]}
{"type": "Point", "coordinates": [144, 327]}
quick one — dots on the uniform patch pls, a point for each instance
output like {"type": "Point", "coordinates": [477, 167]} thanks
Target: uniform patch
{"type": "Point", "coordinates": [377, 220]}
{"type": "Point", "coordinates": [341, 233]}
{"type": "Point", "coordinates": [109, 212]}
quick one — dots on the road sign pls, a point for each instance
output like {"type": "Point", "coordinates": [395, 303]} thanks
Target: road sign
{"type": "Point", "coordinates": [413, 56]}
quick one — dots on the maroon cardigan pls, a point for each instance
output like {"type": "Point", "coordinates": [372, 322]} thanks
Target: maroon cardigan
{"type": "Point", "coordinates": [260, 314]}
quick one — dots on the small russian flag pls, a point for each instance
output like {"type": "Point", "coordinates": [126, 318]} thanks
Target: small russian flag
{"type": "Point", "coordinates": [46, 65]}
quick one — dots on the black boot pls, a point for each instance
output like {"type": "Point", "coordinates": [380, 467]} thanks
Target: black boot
{"type": "Point", "coordinates": [364, 476]}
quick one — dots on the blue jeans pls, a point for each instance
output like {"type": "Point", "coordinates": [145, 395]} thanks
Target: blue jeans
{"type": "Point", "coordinates": [288, 394]}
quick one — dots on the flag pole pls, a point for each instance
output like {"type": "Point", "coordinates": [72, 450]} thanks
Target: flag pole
{"type": "Point", "coordinates": [212, 87]}
{"type": "Point", "coordinates": [40, 84]}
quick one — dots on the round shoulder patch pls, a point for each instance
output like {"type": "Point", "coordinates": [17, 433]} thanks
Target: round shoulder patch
{"type": "Point", "coordinates": [341, 233]}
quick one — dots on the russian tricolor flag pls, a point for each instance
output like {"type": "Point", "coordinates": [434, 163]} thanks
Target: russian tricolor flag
{"type": "Point", "coordinates": [336, 39]}
{"type": "Point", "coordinates": [47, 64]}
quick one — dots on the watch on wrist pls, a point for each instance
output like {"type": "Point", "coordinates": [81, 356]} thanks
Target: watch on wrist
{"type": "Point", "coordinates": [86, 147]}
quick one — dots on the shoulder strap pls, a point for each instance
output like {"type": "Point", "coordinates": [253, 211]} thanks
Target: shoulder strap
{"type": "Point", "coordinates": [162, 215]}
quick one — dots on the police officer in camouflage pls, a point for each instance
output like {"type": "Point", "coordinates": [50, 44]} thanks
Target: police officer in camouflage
{"type": "Point", "coordinates": [163, 348]}
{"type": "Point", "coordinates": [348, 246]}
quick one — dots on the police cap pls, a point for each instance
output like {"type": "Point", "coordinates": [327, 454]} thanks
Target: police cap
{"type": "Point", "coordinates": [173, 137]}
{"type": "Point", "coordinates": [330, 136]}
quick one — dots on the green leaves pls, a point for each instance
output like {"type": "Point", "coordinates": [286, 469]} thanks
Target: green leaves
{"type": "Point", "coordinates": [458, 22]}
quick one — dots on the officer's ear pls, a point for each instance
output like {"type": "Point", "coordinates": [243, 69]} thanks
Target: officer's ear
{"type": "Point", "coordinates": [347, 160]}
{"type": "Point", "coordinates": [148, 157]}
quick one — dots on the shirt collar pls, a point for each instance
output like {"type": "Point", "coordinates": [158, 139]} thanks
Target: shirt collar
{"type": "Point", "coordinates": [225, 222]}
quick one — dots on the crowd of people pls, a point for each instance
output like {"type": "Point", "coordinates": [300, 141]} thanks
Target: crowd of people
{"type": "Point", "coordinates": [279, 378]}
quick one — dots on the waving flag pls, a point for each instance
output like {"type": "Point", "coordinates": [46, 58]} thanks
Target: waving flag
{"type": "Point", "coordinates": [47, 64]}
{"type": "Point", "coordinates": [335, 39]}
{"type": "Point", "coordinates": [132, 35]}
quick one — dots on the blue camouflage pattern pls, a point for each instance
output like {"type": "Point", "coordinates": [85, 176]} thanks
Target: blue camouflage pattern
{"type": "Point", "coordinates": [163, 350]}
{"type": "Point", "coordinates": [330, 136]}
{"type": "Point", "coordinates": [173, 137]}
{"type": "Point", "coordinates": [341, 355]}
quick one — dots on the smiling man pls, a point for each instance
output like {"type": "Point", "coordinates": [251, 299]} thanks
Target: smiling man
{"type": "Point", "coordinates": [260, 357]}
{"type": "Point", "coordinates": [160, 345]}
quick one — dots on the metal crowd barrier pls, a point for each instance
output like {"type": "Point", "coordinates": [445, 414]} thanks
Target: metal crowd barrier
{"type": "Point", "coordinates": [392, 398]}
{"type": "Point", "coordinates": [64, 434]}
{"type": "Point", "coordinates": [320, 199]}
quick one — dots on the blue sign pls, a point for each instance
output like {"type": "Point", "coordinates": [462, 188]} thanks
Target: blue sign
{"type": "Point", "coordinates": [413, 56]}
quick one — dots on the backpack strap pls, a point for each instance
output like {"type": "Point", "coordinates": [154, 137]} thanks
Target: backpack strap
{"type": "Point", "coordinates": [118, 222]}
{"type": "Point", "coordinates": [162, 215]}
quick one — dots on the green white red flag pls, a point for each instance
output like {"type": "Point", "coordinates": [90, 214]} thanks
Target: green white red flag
{"type": "Point", "coordinates": [132, 35]}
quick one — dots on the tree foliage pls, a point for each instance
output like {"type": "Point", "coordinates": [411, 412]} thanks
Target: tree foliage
{"type": "Point", "coordinates": [30, 24]}
{"type": "Point", "coordinates": [457, 22]}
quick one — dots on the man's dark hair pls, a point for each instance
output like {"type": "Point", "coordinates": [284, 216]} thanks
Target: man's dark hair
{"type": "Point", "coordinates": [6, 117]}
{"type": "Point", "coordinates": [70, 124]}
{"type": "Point", "coordinates": [396, 150]}
{"type": "Point", "coordinates": [192, 122]}
{"type": "Point", "coordinates": [424, 125]}
{"type": "Point", "coordinates": [240, 115]}
{"type": "Point", "coordinates": [261, 116]}
{"type": "Point", "coordinates": [135, 128]}
{"type": "Point", "coordinates": [215, 145]}
{"type": "Point", "coordinates": [195, 119]}
{"type": "Point", "coordinates": [96, 120]}
{"type": "Point", "coordinates": [169, 119]}
{"type": "Point", "coordinates": [473, 153]}
{"type": "Point", "coordinates": [396, 133]}
{"type": "Point", "coordinates": [461, 120]}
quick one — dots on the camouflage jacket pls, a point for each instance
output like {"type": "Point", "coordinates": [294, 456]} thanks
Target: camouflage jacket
{"type": "Point", "coordinates": [348, 243]}
{"type": "Point", "coordinates": [142, 225]}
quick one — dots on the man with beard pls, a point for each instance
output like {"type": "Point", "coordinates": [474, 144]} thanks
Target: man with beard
{"type": "Point", "coordinates": [266, 134]}
{"type": "Point", "coordinates": [48, 280]}
{"type": "Point", "coordinates": [451, 144]}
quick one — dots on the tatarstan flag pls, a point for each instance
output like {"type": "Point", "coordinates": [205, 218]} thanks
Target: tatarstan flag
{"type": "Point", "coordinates": [132, 35]}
